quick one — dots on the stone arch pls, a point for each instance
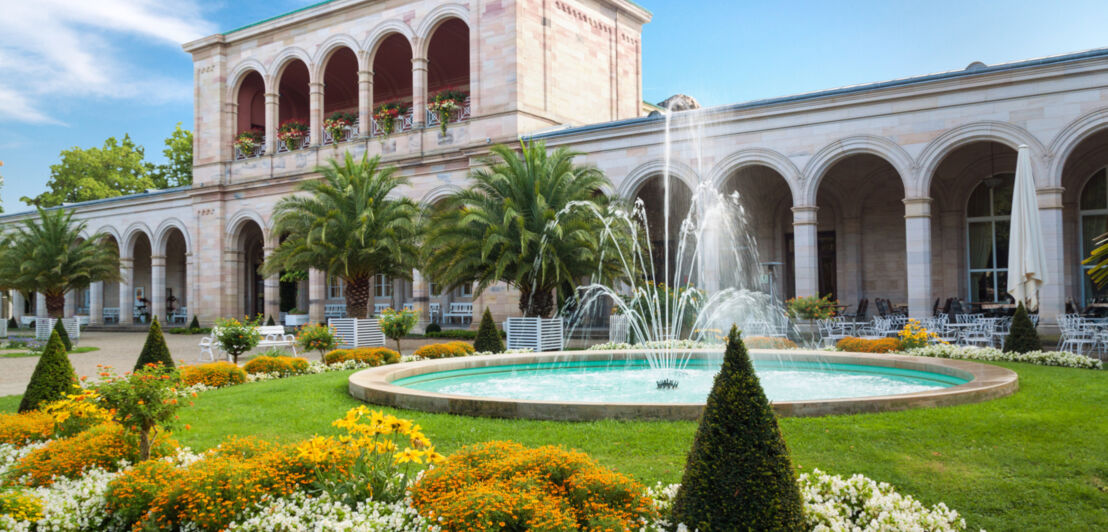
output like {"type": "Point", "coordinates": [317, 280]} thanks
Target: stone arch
{"type": "Point", "coordinates": [378, 36]}
{"type": "Point", "coordinates": [333, 44]}
{"type": "Point", "coordinates": [127, 245]}
{"type": "Point", "coordinates": [994, 131]}
{"type": "Point", "coordinates": [826, 158]}
{"type": "Point", "coordinates": [432, 20]}
{"type": "Point", "coordinates": [635, 179]}
{"type": "Point", "coordinates": [283, 59]}
{"type": "Point", "coordinates": [104, 231]}
{"type": "Point", "coordinates": [239, 73]}
{"type": "Point", "coordinates": [726, 167]}
{"type": "Point", "coordinates": [1070, 137]}
{"type": "Point", "coordinates": [438, 194]}
{"type": "Point", "coordinates": [240, 218]}
{"type": "Point", "coordinates": [161, 235]}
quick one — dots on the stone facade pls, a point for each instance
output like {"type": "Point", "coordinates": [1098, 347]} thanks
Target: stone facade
{"type": "Point", "coordinates": [862, 190]}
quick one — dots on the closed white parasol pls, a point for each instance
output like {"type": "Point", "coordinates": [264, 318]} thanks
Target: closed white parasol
{"type": "Point", "coordinates": [1026, 255]}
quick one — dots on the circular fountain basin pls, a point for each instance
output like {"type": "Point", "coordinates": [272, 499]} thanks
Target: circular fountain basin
{"type": "Point", "coordinates": [589, 385]}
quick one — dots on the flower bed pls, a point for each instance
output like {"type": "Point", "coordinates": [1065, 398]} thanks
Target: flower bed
{"type": "Point", "coordinates": [992, 354]}
{"type": "Point", "coordinates": [370, 356]}
{"type": "Point", "coordinates": [866, 345]}
{"type": "Point", "coordinates": [214, 375]}
{"type": "Point", "coordinates": [285, 365]}
{"type": "Point", "coordinates": [444, 350]}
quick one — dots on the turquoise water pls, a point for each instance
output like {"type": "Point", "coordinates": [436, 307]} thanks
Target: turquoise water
{"type": "Point", "coordinates": [634, 382]}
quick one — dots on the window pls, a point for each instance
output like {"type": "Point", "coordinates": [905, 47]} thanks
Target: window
{"type": "Point", "coordinates": [465, 290]}
{"type": "Point", "coordinates": [382, 286]}
{"type": "Point", "coordinates": [988, 218]}
{"type": "Point", "coordinates": [1094, 222]}
{"type": "Point", "coordinates": [436, 289]}
{"type": "Point", "coordinates": [335, 287]}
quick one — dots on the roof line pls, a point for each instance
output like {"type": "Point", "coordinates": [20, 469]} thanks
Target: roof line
{"type": "Point", "coordinates": [147, 194]}
{"type": "Point", "coordinates": [972, 70]}
{"type": "Point", "coordinates": [275, 17]}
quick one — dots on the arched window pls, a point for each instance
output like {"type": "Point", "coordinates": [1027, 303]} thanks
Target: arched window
{"type": "Point", "coordinates": [988, 216]}
{"type": "Point", "coordinates": [1094, 222]}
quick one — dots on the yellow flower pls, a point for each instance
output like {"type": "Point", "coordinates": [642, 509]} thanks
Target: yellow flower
{"type": "Point", "coordinates": [408, 455]}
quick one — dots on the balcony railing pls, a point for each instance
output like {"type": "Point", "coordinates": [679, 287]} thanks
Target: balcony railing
{"type": "Point", "coordinates": [459, 114]}
{"type": "Point", "coordinates": [348, 133]}
{"type": "Point", "coordinates": [403, 123]}
{"type": "Point", "coordinates": [299, 144]}
{"type": "Point", "coordinates": [258, 151]}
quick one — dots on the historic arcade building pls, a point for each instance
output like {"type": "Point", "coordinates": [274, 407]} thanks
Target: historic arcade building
{"type": "Point", "coordinates": [896, 190]}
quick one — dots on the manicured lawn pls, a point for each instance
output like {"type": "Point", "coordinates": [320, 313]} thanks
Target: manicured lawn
{"type": "Point", "coordinates": [1034, 461]}
{"type": "Point", "coordinates": [20, 353]}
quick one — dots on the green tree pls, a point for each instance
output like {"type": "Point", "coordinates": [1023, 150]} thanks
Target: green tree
{"type": "Point", "coordinates": [348, 226]}
{"type": "Point", "coordinates": [143, 402]}
{"type": "Point", "coordinates": [396, 324]}
{"type": "Point", "coordinates": [53, 376]}
{"type": "Point", "coordinates": [49, 255]}
{"type": "Point", "coordinates": [500, 229]}
{"type": "Point", "coordinates": [1022, 336]}
{"type": "Point", "coordinates": [116, 169]}
{"type": "Point", "coordinates": [64, 335]}
{"type": "Point", "coordinates": [177, 169]}
{"type": "Point", "coordinates": [738, 475]}
{"type": "Point", "coordinates": [154, 351]}
{"type": "Point", "coordinates": [488, 337]}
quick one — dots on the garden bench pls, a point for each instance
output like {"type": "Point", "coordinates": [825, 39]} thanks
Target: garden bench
{"type": "Point", "coordinates": [272, 336]}
{"type": "Point", "coordinates": [378, 308]}
{"type": "Point", "coordinates": [111, 314]}
{"type": "Point", "coordinates": [462, 311]}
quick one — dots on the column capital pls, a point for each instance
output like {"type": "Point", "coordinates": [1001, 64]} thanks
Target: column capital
{"type": "Point", "coordinates": [805, 214]}
{"type": "Point", "coordinates": [272, 97]}
{"type": "Point", "coordinates": [1049, 197]}
{"type": "Point", "coordinates": [126, 262]}
{"type": "Point", "coordinates": [365, 75]}
{"type": "Point", "coordinates": [917, 207]}
{"type": "Point", "coordinates": [419, 63]}
{"type": "Point", "coordinates": [315, 87]}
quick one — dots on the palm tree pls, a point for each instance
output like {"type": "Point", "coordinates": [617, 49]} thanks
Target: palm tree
{"type": "Point", "coordinates": [348, 227]}
{"type": "Point", "coordinates": [500, 229]}
{"type": "Point", "coordinates": [1098, 258]}
{"type": "Point", "coordinates": [48, 255]}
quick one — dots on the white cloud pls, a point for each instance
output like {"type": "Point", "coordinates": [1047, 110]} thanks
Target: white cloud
{"type": "Point", "coordinates": [64, 48]}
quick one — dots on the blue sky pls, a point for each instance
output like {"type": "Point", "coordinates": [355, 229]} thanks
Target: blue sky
{"type": "Point", "coordinates": [74, 72]}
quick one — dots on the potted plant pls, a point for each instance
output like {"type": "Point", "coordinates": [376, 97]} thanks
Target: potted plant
{"type": "Point", "coordinates": [248, 141]}
{"type": "Point", "coordinates": [296, 318]}
{"type": "Point", "coordinates": [387, 115]}
{"type": "Point", "coordinates": [292, 133]}
{"type": "Point", "coordinates": [337, 123]}
{"type": "Point", "coordinates": [444, 104]}
{"type": "Point", "coordinates": [810, 308]}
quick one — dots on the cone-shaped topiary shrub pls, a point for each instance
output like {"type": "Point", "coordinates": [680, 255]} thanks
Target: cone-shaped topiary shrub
{"type": "Point", "coordinates": [154, 351]}
{"type": "Point", "coordinates": [738, 475]}
{"type": "Point", "coordinates": [488, 337]}
{"type": "Point", "coordinates": [195, 323]}
{"type": "Point", "coordinates": [1022, 337]}
{"type": "Point", "coordinates": [270, 322]}
{"type": "Point", "coordinates": [53, 376]}
{"type": "Point", "coordinates": [64, 335]}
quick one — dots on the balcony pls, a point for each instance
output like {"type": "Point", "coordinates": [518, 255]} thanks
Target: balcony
{"type": "Point", "coordinates": [459, 114]}
{"type": "Point", "coordinates": [300, 143]}
{"type": "Point", "coordinates": [257, 150]}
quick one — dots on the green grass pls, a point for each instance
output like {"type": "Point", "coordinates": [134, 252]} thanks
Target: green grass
{"type": "Point", "coordinates": [1035, 461]}
{"type": "Point", "coordinates": [22, 353]}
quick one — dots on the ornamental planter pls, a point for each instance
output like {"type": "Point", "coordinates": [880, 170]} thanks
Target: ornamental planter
{"type": "Point", "coordinates": [355, 332]}
{"type": "Point", "coordinates": [536, 334]}
{"type": "Point", "coordinates": [296, 320]}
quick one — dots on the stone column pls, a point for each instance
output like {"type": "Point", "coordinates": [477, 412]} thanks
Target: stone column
{"type": "Point", "coordinates": [192, 294]}
{"type": "Point", "coordinates": [40, 305]}
{"type": "Point", "coordinates": [157, 288]}
{"type": "Point", "coordinates": [421, 299]}
{"type": "Point", "coordinates": [272, 293]}
{"type": "Point", "coordinates": [317, 295]}
{"type": "Point", "coordinates": [17, 306]}
{"type": "Point", "coordinates": [917, 234]}
{"type": "Point", "coordinates": [806, 250]}
{"type": "Point", "coordinates": [271, 125]}
{"type": "Point", "coordinates": [419, 92]}
{"type": "Point", "coordinates": [365, 102]}
{"type": "Point", "coordinates": [126, 291]}
{"type": "Point", "coordinates": [315, 117]}
{"type": "Point", "coordinates": [231, 110]}
{"type": "Point", "coordinates": [96, 303]}
{"type": "Point", "coordinates": [70, 308]}
{"type": "Point", "coordinates": [1052, 294]}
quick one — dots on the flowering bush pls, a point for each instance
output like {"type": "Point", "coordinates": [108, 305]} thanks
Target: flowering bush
{"type": "Point", "coordinates": [914, 335]}
{"type": "Point", "coordinates": [144, 402]}
{"type": "Point", "coordinates": [284, 365]}
{"type": "Point", "coordinates": [445, 350]}
{"type": "Point", "coordinates": [214, 375]}
{"type": "Point", "coordinates": [811, 307]}
{"type": "Point", "coordinates": [237, 337]}
{"type": "Point", "coordinates": [370, 356]}
{"type": "Point", "coordinates": [301, 511]}
{"type": "Point", "coordinates": [991, 354]}
{"type": "Point", "coordinates": [866, 345]}
{"type": "Point", "coordinates": [386, 116]}
{"type": "Point", "coordinates": [77, 412]}
{"type": "Point", "coordinates": [395, 324]}
{"type": "Point", "coordinates": [20, 506]}
{"type": "Point", "coordinates": [106, 446]}
{"type": "Point", "coordinates": [30, 426]}
{"type": "Point", "coordinates": [336, 125]}
{"type": "Point", "coordinates": [769, 342]}
{"type": "Point", "coordinates": [444, 104]}
{"type": "Point", "coordinates": [505, 486]}
{"type": "Point", "coordinates": [317, 338]}
{"type": "Point", "coordinates": [859, 503]}
{"type": "Point", "coordinates": [248, 141]}
{"type": "Point", "coordinates": [291, 133]}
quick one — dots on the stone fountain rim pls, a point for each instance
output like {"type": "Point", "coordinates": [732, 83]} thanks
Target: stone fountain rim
{"type": "Point", "coordinates": [375, 386]}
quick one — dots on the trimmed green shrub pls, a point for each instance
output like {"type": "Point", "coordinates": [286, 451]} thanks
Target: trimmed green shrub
{"type": "Point", "coordinates": [270, 322]}
{"type": "Point", "coordinates": [1022, 337]}
{"type": "Point", "coordinates": [154, 351]}
{"type": "Point", "coordinates": [60, 329]}
{"type": "Point", "coordinates": [53, 376]}
{"type": "Point", "coordinates": [432, 328]}
{"type": "Point", "coordinates": [739, 475]}
{"type": "Point", "coordinates": [195, 323]}
{"type": "Point", "coordinates": [488, 338]}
